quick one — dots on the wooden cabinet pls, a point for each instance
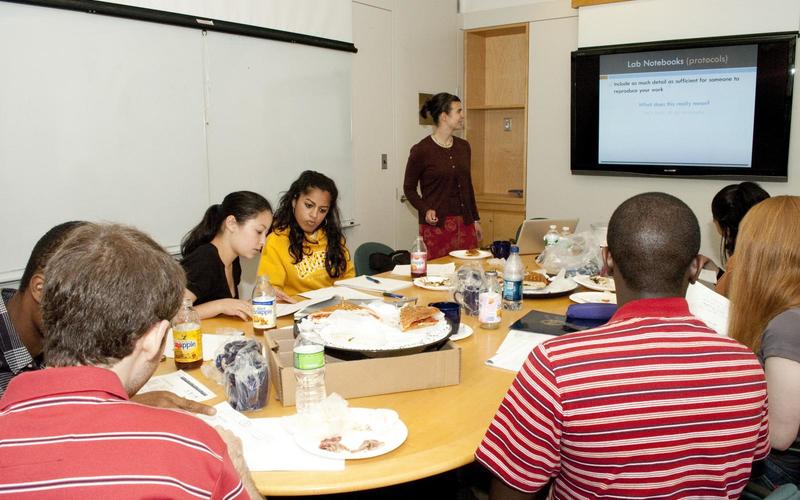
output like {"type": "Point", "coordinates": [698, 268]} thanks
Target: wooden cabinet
{"type": "Point", "coordinates": [500, 217]}
{"type": "Point", "coordinates": [496, 96]}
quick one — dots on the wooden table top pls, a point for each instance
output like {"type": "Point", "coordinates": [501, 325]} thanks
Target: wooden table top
{"type": "Point", "coordinates": [445, 425]}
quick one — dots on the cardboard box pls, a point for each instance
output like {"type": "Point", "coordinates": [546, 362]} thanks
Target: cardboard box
{"type": "Point", "coordinates": [358, 378]}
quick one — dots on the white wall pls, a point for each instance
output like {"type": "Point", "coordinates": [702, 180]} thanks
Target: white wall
{"type": "Point", "coordinates": [425, 58]}
{"type": "Point", "coordinates": [323, 18]}
{"type": "Point", "coordinates": [551, 189]}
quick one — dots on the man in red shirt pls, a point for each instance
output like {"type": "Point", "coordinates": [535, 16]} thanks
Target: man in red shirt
{"type": "Point", "coordinates": [70, 430]}
{"type": "Point", "coordinates": [654, 404]}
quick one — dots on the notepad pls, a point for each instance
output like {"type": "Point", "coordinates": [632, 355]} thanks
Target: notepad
{"type": "Point", "coordinates": [711, 307]}
{"type": "Point", "coordinates": [382, 285]}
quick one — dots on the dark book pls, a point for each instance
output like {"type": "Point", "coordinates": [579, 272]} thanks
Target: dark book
{"type": "Point", "coordinates": [551, 324]}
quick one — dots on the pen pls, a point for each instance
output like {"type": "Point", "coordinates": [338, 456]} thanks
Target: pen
{"type": "Point", "coordinates": [393, 295]}
{"type": "Point", "coordinates": [194, 386]}
{"type": "Point", "coordinates": [370, 278]}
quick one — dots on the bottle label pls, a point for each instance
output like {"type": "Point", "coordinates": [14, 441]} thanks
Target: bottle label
{"type": "Point", "coordinates": [550, 239]}
{"type": "Point", "coordinates": [309, 357]}
{"type": "Point", "coordinates": [264, 313]}
{"type": "Point", "coordinates": [188, 343]}
{"type": "Point", "coordinates": [489, 306]}
{"type": "Point", "coordinates": [512, 291]}
{"type": "Point", "coordinates": [419, 263]}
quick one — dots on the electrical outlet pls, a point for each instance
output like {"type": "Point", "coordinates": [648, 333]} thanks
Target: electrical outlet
{"type": "Point", "coordinates": [507, 124]}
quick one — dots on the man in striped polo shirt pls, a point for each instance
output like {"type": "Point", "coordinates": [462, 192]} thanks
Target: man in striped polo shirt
{"type": "Point", "coordinates": [69, 430]}
{"type": "Point", "coordinates": [652, 405]}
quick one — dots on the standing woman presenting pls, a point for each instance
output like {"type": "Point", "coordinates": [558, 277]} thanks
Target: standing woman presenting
{"type": "Point", "coordinates": [440, 165]}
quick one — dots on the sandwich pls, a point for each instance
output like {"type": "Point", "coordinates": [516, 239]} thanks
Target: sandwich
{"type": "Point", "coordinates": [412, 316]}
{"type": "Point", "coordinates": [534, 280]}
{"type": "Point", "coordinates": [472, 252]}
{"type": "Point", "coordinates": [342, 306]}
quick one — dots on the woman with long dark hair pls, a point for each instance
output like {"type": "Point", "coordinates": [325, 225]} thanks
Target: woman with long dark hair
{"type": "Point", "coordinates": [440, 165]}
{"type": "Point", "coordinates": [728, 208]}
{"type": "Point", "coordinates": [306, 248]}
{"type": "Point", "coordinates": [210, 252]}
{"type": "Point", "coordinates": [765, 316]}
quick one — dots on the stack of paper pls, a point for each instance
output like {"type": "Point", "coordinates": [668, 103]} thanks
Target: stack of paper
{"type": "Point", "coordinates": [180, 383]}
{"type": "Point", "coordinates": [433, 269]}
{"type": "Point", "coordinates": [340, 291]}
{"type": "Point", "coordinates": [514, 350]}
{"type": "Point", "coordinates": [374, 284]}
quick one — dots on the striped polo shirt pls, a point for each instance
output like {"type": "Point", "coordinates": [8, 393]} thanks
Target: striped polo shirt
{"type": "Point", "coordinates": [652, 405]}
{"type": "Point", "coordinates": [72, 433]}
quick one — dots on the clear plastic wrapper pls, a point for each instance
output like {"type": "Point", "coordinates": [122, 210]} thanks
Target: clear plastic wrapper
{"type": "Point", "coordinates": [577, 254]}
{"type": "Point", "coordinates": [241, 368]}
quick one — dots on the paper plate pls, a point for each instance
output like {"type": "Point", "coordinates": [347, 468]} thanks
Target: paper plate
{"type": "Point", "coordinates": [391, 435]}
{"type": "Point", "coordinates": [430, 283]}
{"type": "Point", "coordinates": [594, 298]}
{"type": "Point", "coordinates": [462, 254]}
{"type": "Point", "coordinates": [464, 331]}
{"type": "Point", "coordinates": [554, 289]}
{"type": "Point", "coordinates": [599, 283]}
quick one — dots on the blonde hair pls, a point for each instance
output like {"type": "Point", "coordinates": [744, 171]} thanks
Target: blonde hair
{"type": "Point", "coordinates": [767, 277]}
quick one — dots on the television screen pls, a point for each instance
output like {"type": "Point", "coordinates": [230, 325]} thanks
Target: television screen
{"type": "Point", "coordinates": [712, 108]}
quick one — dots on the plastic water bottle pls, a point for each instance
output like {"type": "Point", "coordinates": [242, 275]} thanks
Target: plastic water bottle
{"type": "Point", "coordinates": [551, 236]}
{"type": "Point", "coordinates": [187, 339]}
{"type": "Point", "coordinates": [263, 300]}
{"type": "Point", "coordinates": [513, 274]}
{"type": "Point", "coordinates": [490, 302]}
{"type": "Point", "coordinates": [565, 231]}
{"type": "Point", "coordinates": [309, 372]}
{"type": "Point", "coordinates": [419, 259]}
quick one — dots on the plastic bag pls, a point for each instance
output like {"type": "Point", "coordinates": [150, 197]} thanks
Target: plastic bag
{"type": "Point", "coordinates": [577, 254]}
{"type": "Point", "coordinates": [240, 367]}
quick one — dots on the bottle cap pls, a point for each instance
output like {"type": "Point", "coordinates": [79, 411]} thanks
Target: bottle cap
{"type": "Point", "coordinates": [514, 249]}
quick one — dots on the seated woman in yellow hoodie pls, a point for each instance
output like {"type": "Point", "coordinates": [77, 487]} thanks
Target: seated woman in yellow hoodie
{"type": "Point", "coordinates": [306, 248]}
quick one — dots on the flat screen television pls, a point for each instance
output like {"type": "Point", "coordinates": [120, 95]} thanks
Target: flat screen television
{"type": "Point", "coordinates": [713, 107]}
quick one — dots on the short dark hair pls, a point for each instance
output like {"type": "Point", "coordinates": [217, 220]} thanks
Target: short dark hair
{"type": "Point", "coordinates": [105, 287]}
{"type": "Point", "coordinates": [729, 207]}
{"type": "Point", "coordinates": [653, 238]}
{"type": "Point", "coordinates": [44, 249]}
{"type": "Point", "coordinates": [436, 105]}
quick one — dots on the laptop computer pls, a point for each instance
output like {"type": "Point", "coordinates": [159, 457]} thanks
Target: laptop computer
{"type": "Point", "coordinates": [531, 236]}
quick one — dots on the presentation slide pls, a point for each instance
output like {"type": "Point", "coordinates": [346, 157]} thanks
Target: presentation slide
{"type": "Point", "coordinates": [691, 107]}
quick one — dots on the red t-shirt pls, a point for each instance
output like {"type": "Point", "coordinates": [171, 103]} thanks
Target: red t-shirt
{"type": "Point", "coordinates": [72, 433]}
{"type": "Point", "coordinates": [653, 404]}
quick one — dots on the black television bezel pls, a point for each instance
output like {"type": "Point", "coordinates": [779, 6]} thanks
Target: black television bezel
{"type": "Point", "coordinates": [773, 110]}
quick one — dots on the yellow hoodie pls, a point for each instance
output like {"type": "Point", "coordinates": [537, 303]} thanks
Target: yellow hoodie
{"type": "Point", "coordinates": [309, 273]}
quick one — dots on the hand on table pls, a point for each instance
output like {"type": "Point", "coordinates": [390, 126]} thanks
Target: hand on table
{"type": "Point", "coordinates": [430, 217]}
{"type": "Point", "coordinates": [283, 297]}
{"type": "Point", "coordinates": [166, 399]}
{"type": "Point", "coordinates": [235, 307]}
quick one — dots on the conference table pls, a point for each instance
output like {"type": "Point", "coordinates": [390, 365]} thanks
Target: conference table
{"type": "Point", "coordinates": [445, 424]}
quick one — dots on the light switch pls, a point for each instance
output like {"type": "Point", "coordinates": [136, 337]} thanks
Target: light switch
{"type": "Point", "coordinates": [507, 124]}
{"type": "Point", "coordinates": [384, 161]}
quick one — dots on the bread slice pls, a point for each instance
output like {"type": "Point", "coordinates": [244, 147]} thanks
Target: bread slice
{"type": "Point", "coordinates": [412, 316]}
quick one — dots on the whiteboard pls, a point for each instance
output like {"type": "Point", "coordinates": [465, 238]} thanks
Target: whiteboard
{"type": "Point", "coordinates": [275, 110]}
{"type": "Point", "coordinates": [110, 119]}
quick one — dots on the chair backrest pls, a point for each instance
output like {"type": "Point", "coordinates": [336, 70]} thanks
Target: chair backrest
{"type": "Point", "coordinates": [361, 257]}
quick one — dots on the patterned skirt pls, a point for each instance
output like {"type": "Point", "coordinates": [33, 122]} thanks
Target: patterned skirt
{"type": "Point", "coordinates": [453, 235]}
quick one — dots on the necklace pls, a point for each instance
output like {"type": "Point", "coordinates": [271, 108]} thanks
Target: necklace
{"type": "Point", "coordinates": [448, 144]}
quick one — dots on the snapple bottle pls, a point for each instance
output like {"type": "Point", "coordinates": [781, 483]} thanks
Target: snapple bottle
{"type": "Point", "coordinates": [187, 339]}
{"type": "Point", "coordinates": [419, 259]}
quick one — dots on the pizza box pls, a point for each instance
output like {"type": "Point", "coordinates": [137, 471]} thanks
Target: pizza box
{"type": "Point", "coordinates": [364, 377]}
